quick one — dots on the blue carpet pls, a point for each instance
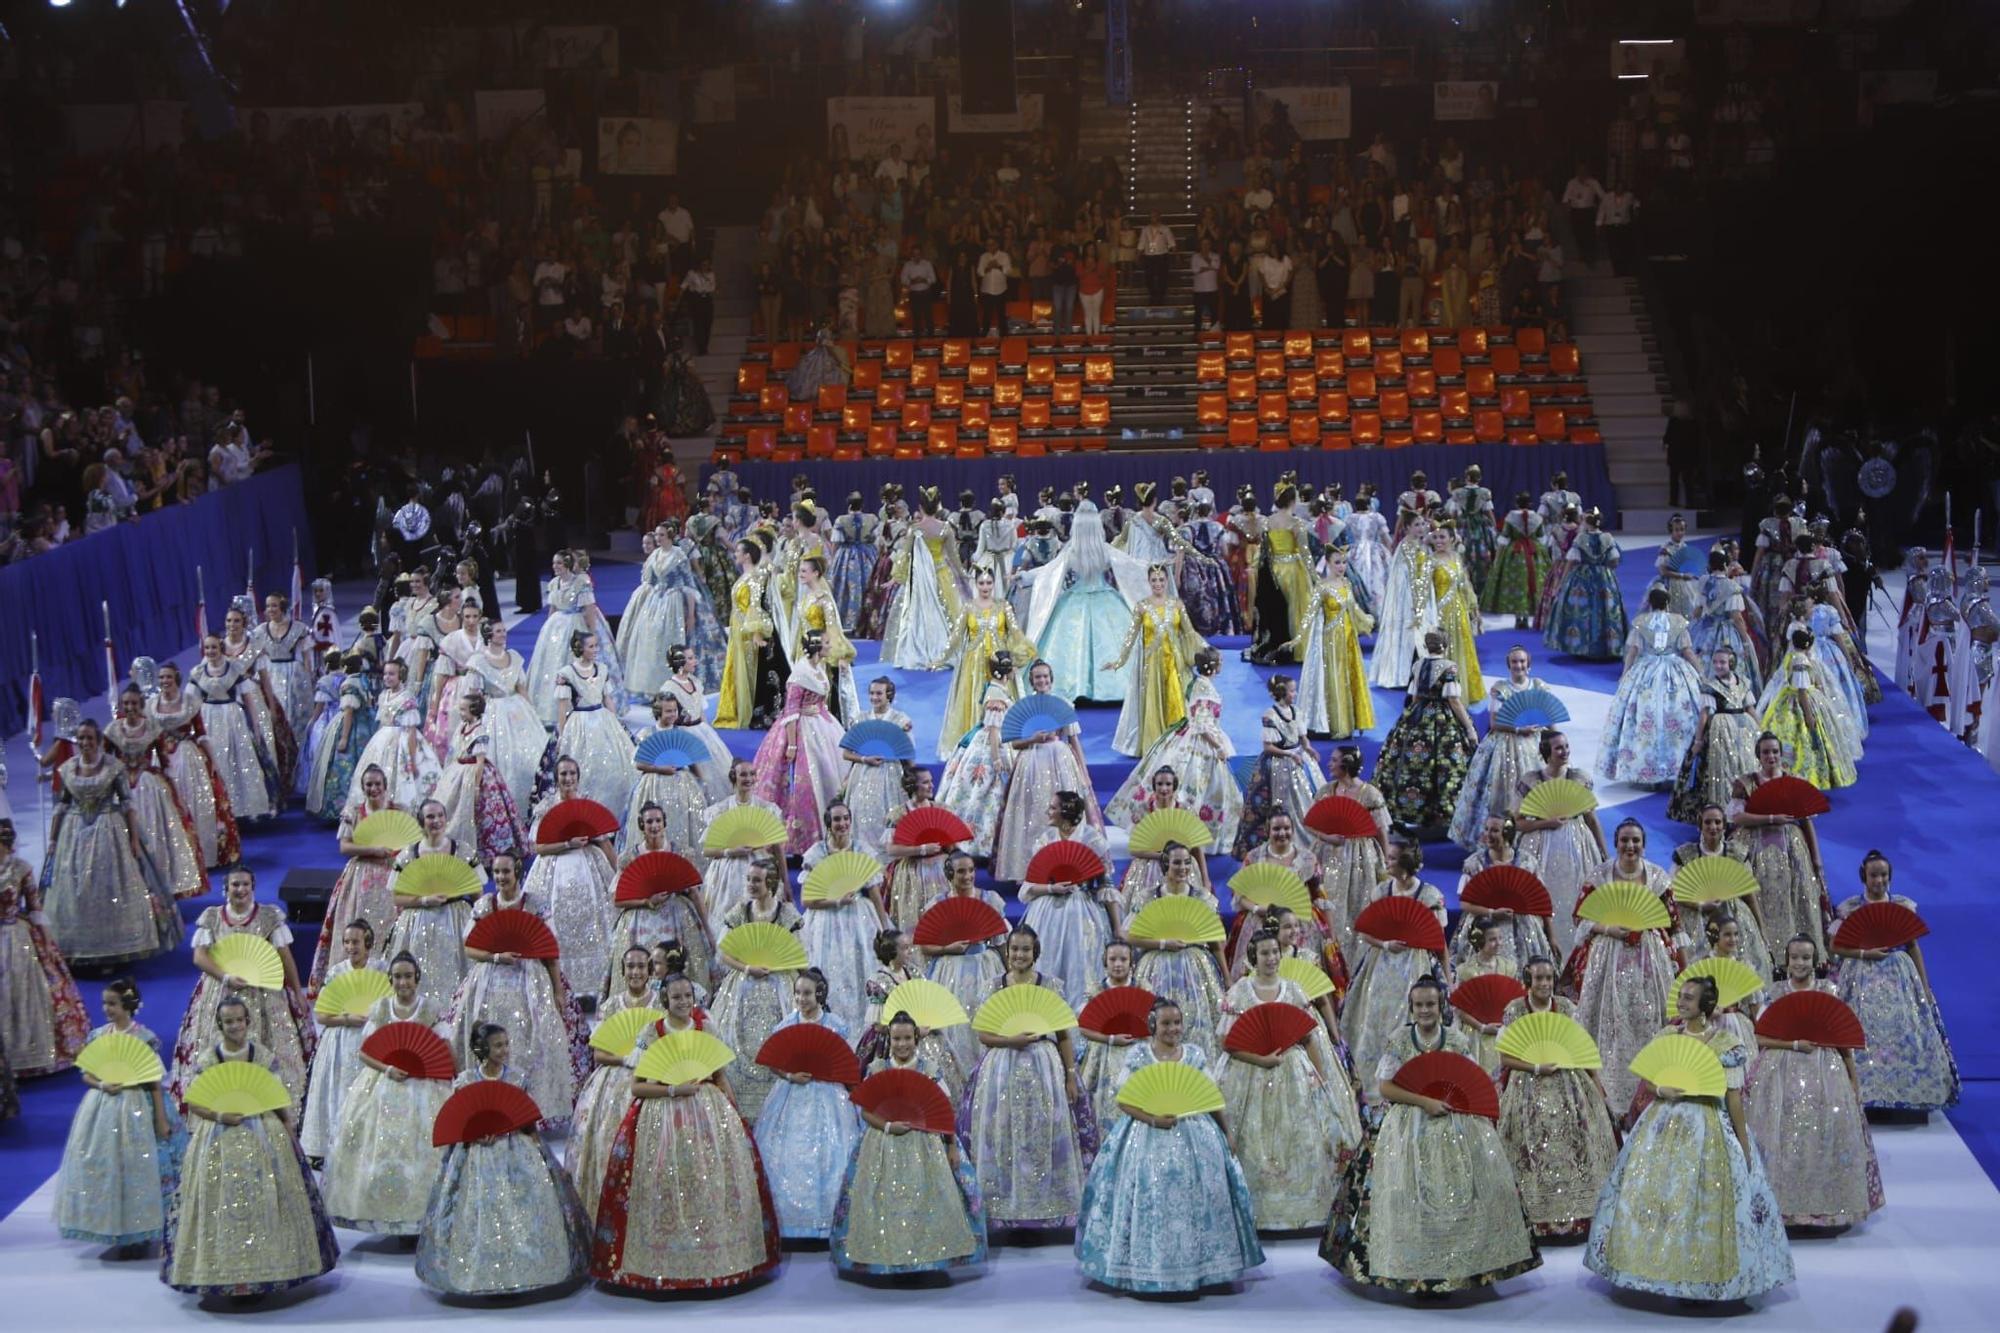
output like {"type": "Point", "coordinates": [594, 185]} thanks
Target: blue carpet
{"type": "Point", "coordinates": [1928, 801]}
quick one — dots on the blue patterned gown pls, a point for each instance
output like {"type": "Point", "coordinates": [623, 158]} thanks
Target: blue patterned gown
{"type": "Point", "coordinates": [806, 1133]}
{"type": "Point", "coordinates": [1588, 619]}
{"type": "Point", "coordinates": [117, 1176]}
{"type": "Point", "coordinates": [854, 557]}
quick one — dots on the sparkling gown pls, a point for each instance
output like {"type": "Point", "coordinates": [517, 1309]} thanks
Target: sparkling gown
{"type": "Point", "coordinates": [1719, 600]}
{"type": "Point", "coordinates": [1333, 681]}
{"type": "Point", "coordinates": [1492, 778]}
{"type": "Point", "coordinates": [1190, 977]}
{"type": "Point", "coordinates": [1709, 772]}
{"type": "Point", "coordinates": [190, 767]}
{"type": "Point", "coordinates": [479, 810]}
{"type": "Point", "coordinates": [1806, 1116]}
{"type": "Point", "coordinates": [749, 1009]}
{"type": "Point", "coordinates": [1039, 772]}
{"type": "Point", "coordinates": [520, 743]}
{"type": "Point", "coordinates": [1377, 1006]}
{"type": "Point", "coordinates": [360, 894]}
{"type": "Point", "coordinates": [840, 941]}
{"type": "Point", "coordinates": [1622, 989]}
{"type": "Point", "coordinates": [1656, 712]}
{"type": "Point", "coordinates": [166, 834]}
{"type": "Point", "coordinates": [382, 1163]}
{"type": "Point", "coordinates": [1426, 756]}
{"type": "Point", "coordinates": [1791, 896]}
{"type": "Point", "coordinates": [103, 906]}
{"type": "Point", "coordinates": [854, 557]}
{"type": "Point", "coordinates": [903, 1208]}
{"type": "Point", "coordinates": [798, 762]}
{"type": "Point", "coordinates": [1283, 781]}
{"type": "Point", "coordinates": [1908, 1063]}
{"type": "Point", "coordinates": [575, 889]}
{"type": "Point", "coordinates": [976, 635]}
{"type": "Point", "coordinates": [976, 772]}
{"type": "Point", "coordinates": [569, 599]}
{"type": "Point", "coordinates": [42, 1020]}
{"type": "Point", "coordinates": [336, 762]}
{"type": "Point", "coordinates": [593, 735]}
{"type": "Point", "coordinates": [434, 936]}
{"type": "Point", "coordinates": [1088, 622]}
{"type": "Point", "coordinates": [399, 749]}
{"type": "Point", "coordinates": [247, 767]}
{"type": "Point", "coordinates": [1513, 585]}
{"type": "Point", "coordinates": [925, 602]}
{"type": "Point", "coordinates": [1198, 751]}
{"type": "Point", "coordinates": [118, 1174]}
{"type": "Point", "coordinates": [676, 612]}
{"type": "Point", "coordinates": [280, 1020]}
{"type": "Point", "coordinates": [526, 1000]}
{"type": "Point", "coordinates": [336, 1060]}
{"type": "Point", "coordinates": [806, 1132]}
{"type": "Point", "coordinates": [1030, 1145]}
{"type": "Point", "coordinates": [1559, 1131]}
{"type": "Point", "coordinates": [1561, 858]}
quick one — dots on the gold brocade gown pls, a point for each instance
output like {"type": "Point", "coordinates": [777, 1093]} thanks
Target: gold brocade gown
{"type": "Point", "coordinates": [1166, 643]}
{"type": "Point", "coordinates": [1456, 608]}
{"type": "Point", "coordinates": [747, 624]}
{"type": "Point", "coordinates": [976, 634]}
{"type": "Point", "coordinates": [1286, 551]}
{"type": "Point", "coordinates": [1334, 681]}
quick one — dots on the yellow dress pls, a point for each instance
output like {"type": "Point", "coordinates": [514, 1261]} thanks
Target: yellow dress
{"type": "Point", "coordinates": [1156, 701]}
{"type": "Point", "coordinates": [1456, 607]}
{"type": "Point", "coordinates": [1334, 681]}
{"type": "Point", "coordinates": [976, 634]}
{"type": "Point", "coordinates": [1287, 554]}
{"type": "Point", "coordinates": [747, 624]}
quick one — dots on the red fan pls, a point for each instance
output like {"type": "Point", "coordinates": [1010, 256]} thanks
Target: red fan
{"type": "Point", "coordinates": [1454, 1080]}
{"type": "Point", "coordinates": [1484, 999]}
{"type": "Point", "coordinates": [483, 1111]}
{"type": "Point", "coordinates": [1267, 1029]}
{"type": "Point", "coordinates": [930, 823]}
{"type": "Point", "coordinates": [656, 872]}
{"type": "Point", "coordinates": [1341, 817]}
{"type": "Point", "coordinates": [511, 930]}
{"type": "Point", "coordinates": [412, 1048]}
{"type": "Point", "coordinates": [957, 921]}
{"type": "Point", "coordinates": [1508, 888]}
{"type": "Point", "coordinates": [1814, 1016]}
{"type": "Point", "coordinates": [1402, 919]}
{"type": "Point", "coordinates": [1787, 796]}
{"type": "Point", "coordinates": [808, 1048]}
{"type": "Point", "coordinates": [1880, 926]}
{"type": "Point", "coordinates": [575, 819]}
{"type": "Point", "coordinates": [1065, 862]}
{"type": "Point", "coordinates": [906, 1095]}
{"type": "Point", "coordinates": [1120, 1011]}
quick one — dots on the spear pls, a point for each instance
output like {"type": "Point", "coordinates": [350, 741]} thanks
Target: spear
{"type": "Point", "coordinates": [110, 663]}
{"type": "Point", "coordinates": [200, 608]}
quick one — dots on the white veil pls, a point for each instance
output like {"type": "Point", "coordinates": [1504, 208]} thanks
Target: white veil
{"type": "Point", "coordinates": [1087, 556]}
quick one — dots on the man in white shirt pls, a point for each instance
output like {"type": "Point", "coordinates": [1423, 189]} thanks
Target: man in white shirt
{"type": "Point", "coordinates": [1274, 266]}
{"type": "Point", "coordinates": [993, 269]}
{"type": "Point", "coordinates": [1581, 197]}
{"type": "Point", "coordinates": [1156, 255]}
{"type": "Point", "coordinates": [1257, 199]}
{"type": "Point", "coordinates": [919, 280]}
{"type": "Point", "coordinates": [550, 296]}
{"type": "Point", "coordinates": [678, 224]}
{"type": "Point", "coordinates": [1614, 223]}
{"type": "Point", "coordinates": [893, 167]}
{"type": "Point", "coordinates": [1206, 266]}
{"type": "Point", "coordinates": [698, 295]}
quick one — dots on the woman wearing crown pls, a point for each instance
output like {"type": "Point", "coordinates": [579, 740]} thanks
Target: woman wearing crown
{"type": "Point", "coordinates": [1334, 677]}
{"type": "Point", "coordinates": [573, 610]}
{"type": "Point", "coordinates": [1556, 1123]}
{"type": "Point", "coordinates": [1622, 977]}
{"type": "Point", "coordinates": [816, 613]}
{"type": "Point", "coordinates": [280, 1018]}
{"type": "Point", "coordinates": [982, 630]}
{"type": "Point", "coordinates": [925, 603]}
{"type": "Point", "coordinates": [1908, 1064]}
{"type": "Point", "coordinates": [1080, 608]}
{"type": "Point", "coordinates": [1284, 583]}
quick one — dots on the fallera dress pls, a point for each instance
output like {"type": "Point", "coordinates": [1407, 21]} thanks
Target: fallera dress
{"type": "Point", "coordinates": [1656, 712]}
{"type": "Point", "coordinates": [1588, 618]}
{"type": "Point", "coordinates": [1494, 774]}
{"type": "Point", "coordinates": [1908, 1063]}
{"type": "Point", "coordinates": [903, 1208]}
{"type": "Point", "coordinates": [1806, 1116]}
{"type": "Point", "coordinates": [1561, 1135]}
{"type": "Point", "coordinates": [806, 1133]}
{"type": "Point", "coordinates": [118, 1175]}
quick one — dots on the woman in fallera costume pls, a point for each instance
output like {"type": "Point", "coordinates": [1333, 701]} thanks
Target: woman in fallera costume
{"type": "Point", "coordinates": [1161, 645]}
{"type": "Point", "coordinates": [520, 744]}
{"type": "Point", "coordinates": [121, 1163]}
{"type": "Point", "coordinates": [754, 669]}
{"type": "Point", "coordinates": [479, 810]}
{"type": "Point", "coordinates": [807, 1128]}
{"type": "Point", "coordinates": [1588, 619]}
{"type": "Point", "coordinates": [573, 610]}
{"type": "Point", "coordinates": [1907, 1064]}
{"type": "Point", "coordinates": [1557, 1125]}
{"type": "Point", "coordinates": [1337, 703]}
{"type": "Point", "coordinates": [1623, 979]}
{"type": "Point", "coordinates": [588, 728]}
{"type": "Point", "coordinates": [1492, 781]}
{"type": "Point", "coordinates": [525, 996]}
{"type": "Point", "coordinates": [398, 746]}
{"type": "Point", "coordinates": [337, 1052]}
{"type": "Point", "coordinates": [280, 1020]}
{"type": "Point", "coordinates": [190, 765]}
{"type": "Point", "coordinates": [427, 926]}
{"type": "Point", "coordinates": [1198, 751]}
{"type": "Point", "coordinates": [1287, 772]}
{"type": "Point", "coordinates": [750, 1001]}
{"type": "Point", "coordinates": [1071, 921]}
{"type": "Point", "coordinates": [42, 1020]}
{"type": "Point", "coordinates": [1378, 1000]}
{"type": "Point", "coordinates": [1725, 741]}
{"type": "Point", "coordinates": [1080, 608]}
{"type": "Point", "coordinates": [798, 761]}
{"type": "Point", "coordinates": [1428, 751]}
{"type": "Point", "coordinates": [839, 933]}
{"type": "Point", "coordinates": [975, 779]}
{"type": "Point", "coordinates": [1560, 852]}
{"type": "Point", "coordinates": [983, 629]}
{"type": "Point", "coordinates": [248, 770]}
{"type": "Point", "coordinates": [1782, 852]}
{"type": "Point", "coordinates": [1043, 764]}
{"type": "Point", "coordinates": [166, 835]}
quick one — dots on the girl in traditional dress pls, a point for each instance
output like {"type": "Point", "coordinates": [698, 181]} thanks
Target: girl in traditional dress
{"type": "Point", "coordinates": [1337, 702]}
{"type": "Point", "coordinates": [1725, 738]}
{"type": "Point", "coordinates": [1560, 852]}
{"type": "Point", "coordinates": [798, 762]}
{"type": "Point", "coordinates": [675, 790]}
{"type": "Point", "coordinates": [1556, 1123]}
{"type": "Point", "coordinates": [839, 933]}
{"type": "Point", "coordinates": [916, 873]}
{"type": "Point", "coordinates": [428, 927]}
{"type": "Point", "coordinates": [1424, 760]}
{"type": "Point", "coordinates": [1430, 1206]}
{"type": "Point", "coordinates": [899, 963]}
{"type": "Point", "coordinates": [267, 715]}
{"type": "Point", "coordinates": [909, 1202]}
{"type": "Point", "coordinates": [1377, 998]}
{"type": "Point", "coordinates": [246, 1219]}
{"type": "Point", "coordinates": [449, 679]}
{"type": "Point", "coordinates": [1516, 938]}
{"type": "Point", "coordinates": [925, 604]}
{"type": "Point", "coordinates": [189, 764]}
{"type": "Point", "coordinates": [1783, 853]}
{"type": "Point", "coordinates": [382, 1163]}
{"type": "Point", "coordinates": [607, 1093]}
{"type": "Point", "coordinates": [349, 726]}
{"type": "Point", "coordinates": [1656, 712]}
{"type": "Point", "coordinates": [1198, 752]}
{"type": "Point", "coordinates": [121, 1162]}
{"type": "Point", "coordinates": [247, 768]}
{"type": "Point", "coordinates": [983, 630]}
{"type": "Point", "coordinates": [524, 996]}
{"type": "Point", "coordinates": [854, 556]}
{"type": "Point", "coordinates": [1284, 583]}
{"type": "Point", "coordinates": [1588, 619]}
{"type": "Point", "coordinates": [970, 969]}
{"type": "Point", "coordinates": [684, 1204]}
{"type": "Point", "coordinates": [874, 785]}
{"type": "Point", "coordinates": [1623, 979]}
{"type": "Point", "coordinates": [1321, 933]}
{"type": "Point", "coordinates": [1559, 534]}
{"type": "Point", "coordinates": [1683, 590]}
{"type": "Point", "coordinates": [588, 728]}
{"type": "Point", "coordinates": [1350, 868]}
{"type": "Point", "coordinates": [166, 836]}
{"type": "Point", "coordinates": [280, 1020]}
{"type": "Point", "coordinates": [815, 613]}
{"type": "Point", "coordinates": [1024, 1119]}
{"type": "Point", "coordinates": [398, 746]}
{"type": "Point", "coordinates": [1141, 883]}
{"type": "Point", "coordinates": [1287, 772]}
{"type": "Point", "coordinates": [1720, 620]}
{"type": "Point", "coordinates": [1907, 1064]}
{"type": "Point", "coordinates": [337, 1052]}
{"type": "Point", "coordinates": [892, 521]}
{"type": "Point", "coordinates": [1293, 1114]}
{"type": "Point", "coordinates": [104, 906]}
{"type": "Point", "coordinates": [1504, 754]}
{"type": "Point", "coordinates": [751, 1001]}
{"type": "Point", "coordinates": [572, 610]}
{"type": "Point", "coordinates": [498, 1205]}
{"type": "Point", "coordinates": [518, 740]}
{"type": "Point", "coordinates": [1692, 1159]}
{"type": "Point", "coordinates": [362, 891]}
{"type": "Point", "coordinates": [974, 784]}
{"type": "Point", "coordinates": [680, 917]}
{"type": "Point", "coordinates": [42, 1020]}
{"type": "Point", "coordinates": [1474, 504]}
{"type": "Point", "coordinates": [479, 810]}
{"type": "Point", "coordinates": [1043, 764]}
{"type": "Point", "coordinates": [674, 611]}
{"type": "Point", "coordinates": [724, 884]}
{"type": "Point", "coordinates": [1166, 644]}
{"type": "Point", "coordinates": [807, 1128]}
{"type": "Point", "coordinates": [1482, 936]}
{"type": "Point", "coordinates": [1805, 1112]}
{"type": "Point", "coordinates": [1166, 1207]}
{"type": "Point", "coordinates": [1703, 928]}
{"type": "Point", "coordinates": [1190, 974]}
{"type": "Point", "coordinates": [1797, 708]}
{"type": "Point", "coordinates": [1080, 608]}
{"type": "Point", "coordinates": [753, 666]}
{"type": "Point", "coordinates": [1102, 1055]}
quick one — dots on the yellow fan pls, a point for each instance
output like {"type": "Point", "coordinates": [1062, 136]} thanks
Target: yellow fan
{"type": "Point", "coordinates": [929, 1004]}
{"type": "Point", "coordinates": [742, 826]}
{"type": "Point", "coordinates": [1626, 905]}
{"type": "Point", "coordinates": [251, 957]}
{"type": "Point", "coordinates": [1176, 918]}
{"type": "Point", "coordinates": [683, 1057]}
{"type": "Point", "coordinates": [1024, 1011]}
{"type": "Point", "coordinates": [1314, 982]}
{"type": "Point", "coordinates": [1557, 798]}
{"type": "Point", "coordinates": [387, 828]}
{"type": "Point", "coordinates": [838, 875]}
{"type": "Point", "coordinates": [1155, 831]}
{"type": "Point", "coordinates": [121, 1058]}
{"type": "Point", "coordinates": [1735, 980]}
{"type": "Point", "coordinates": [1682, 1063]}
{"type": "Point", "coordinates": [762, 944]}
{"type": "Point", "coordinates": [239, 1087]}
{"type": "Point", "coordinates": [438, 875]}
{"type": "Point", "coordinates": [1171, 1089]}
{"type": "Point", "coordinates": [352, 993]}
{"type": "Point", "coordinates": [1713, 879]}
{"type": "Point", "coordinates": [618, 1034]}
{"type": "Point", "coordinates": [1550, 1039]}
{"type": "Point", "coordinates": [1267, 885]}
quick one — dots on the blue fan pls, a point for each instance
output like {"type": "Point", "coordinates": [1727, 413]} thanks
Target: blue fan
{"type": "Point", "coordinates": [876, 739]}
{"type": "Point", "coordinates": [1244, 768]}
{"type": "Point", "coordinates": [1531, 708]}
{"type": "Point", "coordinates": [1688, 560]}
{"type": "Point", "coordinates": [671, 747]}
{"type": "Point", "coordinates": [1037, 712]}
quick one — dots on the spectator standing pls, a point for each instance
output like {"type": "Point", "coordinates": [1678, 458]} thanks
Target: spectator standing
{"type": "Point", "coordinates": [678, 224]}
{"type": "Point", "coordinates": [995, 271]}
{"type": "Point", "coordinates": [1274, 267]}
{"type": "Point", "coordinates": [1581, 197]}
{"type": "Point", "coordinates": [1614, 226]}
{"type": "Point", "coordinates": [1156, 257]}
{"type": "Point", "coordinates": [698, 299]}
{"type": "Point", "coordinates": [1091, 280]}
{"type": "Point", "coordinates": [1205, 267]}
{"type": "Point", "coordinates": [919, 282]}
{"type": "Point", "coordinates": [1062, 281]}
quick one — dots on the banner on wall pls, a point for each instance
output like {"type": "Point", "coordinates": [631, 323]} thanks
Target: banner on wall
{"type": "Point", "coordinates": [1027, 116]}
{"type": "Point", "coordinates": [1316, 113]}
{"type": "Point", "coordinates": [714, 96]}
{"type": "Point", "coordinates": [1647, 58]}
{"type": "Point", "coordinates": [1474, 100]}
{"type": "Point", "coordinates": [864, 128]}
{"type": "Point", "coordinates": [580, 46]}
{"type": "Point", "coordinates": [1117, 53]}
{"type": "Point", "coordinates": [398, 119]}
{"type": "Point", "coordinates": [636, 146]}
{"type": "Point", "coordinates": [498, 112]}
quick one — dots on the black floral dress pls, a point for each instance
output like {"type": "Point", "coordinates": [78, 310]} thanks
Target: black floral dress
{"type": "Point", "coordinates": [1425, 757]}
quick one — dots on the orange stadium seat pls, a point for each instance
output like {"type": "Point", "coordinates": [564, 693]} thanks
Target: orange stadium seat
{"type": "Point", "coordinates": [1361, 385]}
{"type": "Point", "coordinates": [1416, 344]}
{"type": "Point", "coordinates": [1242, 386]}
{"type": "Point", "coordinates": [867, 374]}
{"type": "Point", "coordinates": [1357, 345]}
{"type": "Point", "coordinates": [1428, 427]}
{"type": "Point", "coordinates": [923, 374]}
{"type": "Point", "coordinates": [1007, 391]}
{"type": "Point", "coordinates": [1301, 386]}
{"type": "Point", "coordinates": [948, 393]}
{"type": "Point", "coordinates": [1003, 437]}
{"type": "Point", "coordinates": [1298, 345]}
{"type": "Point", "coordinates": [832, 397]}
{"type": "Point", "coordinates": [1211, 409]}
{"type": "Point", "coordinates": [1366, 429]}
{"type": "Point", "coordinates": [1333, 406]}
{"type": "Point", "coordinates": [1209, 367]}
{"type": "Point", "coordinates": [772, 398]}
{"type": "Point", "coordinates": [1563, 359]}
{"type": "Point", "coordinates": [1472, 342]}
{"type": "Point", "coordinates": [1242, 430]}
{"type": "Point", "coordinates": [955, 352]}
{"type": "Point", "coordinates": [1551, 425]}
{"type": "Point", "coordinates": [820, 441]}
{"type": "Point", "coordinates": [981, 371]}
{"type": "Point", "coordinates": [1304, 433]}
{"type": "Point", "coordinates": [1270, 365]}
{"type": "Point", "coordinates": [898, 355]}
{"type": "Point", "coordinates": [1488, 427]}
{"type": "Point", "coordinates": [750, 377]}
{"type": "Point", "coordinates": [1329, 364]}
{"type": "Point", "coordinates": [975, 414]}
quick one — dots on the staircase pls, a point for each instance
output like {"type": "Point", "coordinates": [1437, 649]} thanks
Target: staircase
{"type": "Point", "coordinates": [1628, 387]}
{"type": "Point", "coordinates": [735, 250]}
{"type": "Point", "coordinates": [1154, 346]}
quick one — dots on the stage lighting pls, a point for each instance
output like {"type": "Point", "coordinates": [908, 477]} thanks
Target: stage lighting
{"type": "Point", "coordinates": [58, 4]}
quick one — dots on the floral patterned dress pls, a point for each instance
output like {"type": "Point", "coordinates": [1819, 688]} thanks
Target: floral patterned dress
{"type": "Point", "coordinates": [1426, 756]}
{"type": "Point", "coordinates": [42, 1019]}
{"type": "Point", "coordinates": [1561, 1135]}
{"type": "Point", "coordinates": [1284, 781]}
{"type": "Point", "coordinates": [1198, 751]}
{"type": "Point", "coordinates": [1908, 1063]}
{"type": "Point", "coordinates": [1588, 618]}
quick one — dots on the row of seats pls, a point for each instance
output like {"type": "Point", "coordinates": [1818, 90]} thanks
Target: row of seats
{"type": "Point", "coordinates": [1025, 437]}
{"type": "Point", "coordinates": [1308, 430]}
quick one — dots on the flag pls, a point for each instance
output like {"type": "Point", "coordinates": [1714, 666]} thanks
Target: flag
{"type": "Point", "coordinates": [35, 710]}
{"type": "Point", "coordinates": [200, 608]}
{"type": "Point", "coordinates": [110, 664]}
{"type": "Point", "coordinates": [298, 582]}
